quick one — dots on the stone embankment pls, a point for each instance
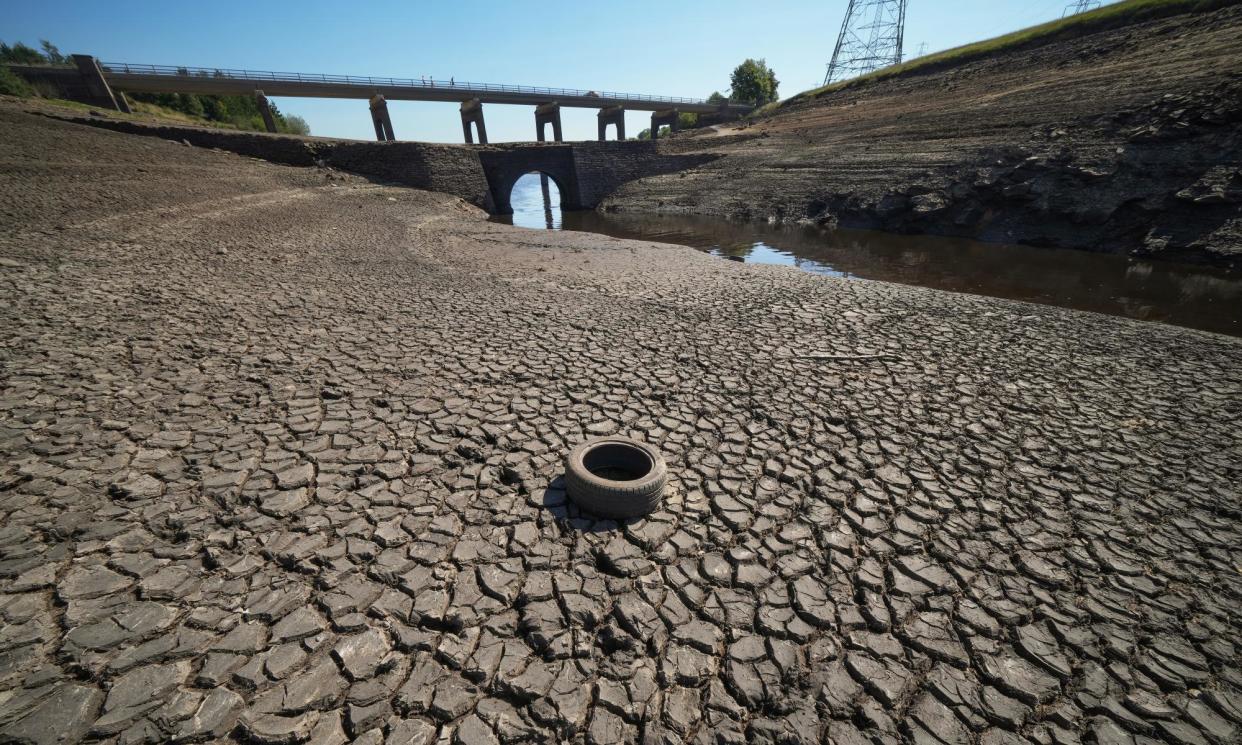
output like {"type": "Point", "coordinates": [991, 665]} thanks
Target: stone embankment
{"type": "Point", "coordinates": [280, 462]}
{"type": "Point", "coordinates": [1124, 141]}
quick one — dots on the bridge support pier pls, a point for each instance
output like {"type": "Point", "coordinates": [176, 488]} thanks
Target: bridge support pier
{"type": "Point", "coordinates": [548, 113]}
{"type": "Point", "coordinates": [381, 120]}
{"type": "Point", "coordinates": [265, 110]}
{"type": "Point", "coordinates": [660, 118]}
{"type": "Point", "coordinates": [472, 113]}
{"type": "Point", "coordinates": [611, 115]}
{"type": "Point", "coordinates": [93, 78]}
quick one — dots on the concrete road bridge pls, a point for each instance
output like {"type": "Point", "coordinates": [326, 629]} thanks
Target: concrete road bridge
{"type": "Point", "coordinates": [104, 83]}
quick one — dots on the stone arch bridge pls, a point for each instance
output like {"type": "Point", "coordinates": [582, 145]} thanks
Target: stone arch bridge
{"type": "Point", "coordinates": [484, 175]}
{"type": "Point", "coordinates": [584, 172]}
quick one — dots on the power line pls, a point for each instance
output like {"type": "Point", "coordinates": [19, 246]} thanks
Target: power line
{"type": "Point", "coordinates": [871, 37]}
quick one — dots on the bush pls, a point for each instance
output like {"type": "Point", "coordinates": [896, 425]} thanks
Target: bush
{"type": "Point", "coordinates": [190, 104]}
{"type": "Point", "coordinates": [764, 110]}
{"type": "Point", "coordinates": [13, 85]}
{"type": "Point", "coordinates": [665, 131]}
{"type": "Point", "coordinates": [241, 112]}
{"type": "Point", "coordinates": [296, 125]}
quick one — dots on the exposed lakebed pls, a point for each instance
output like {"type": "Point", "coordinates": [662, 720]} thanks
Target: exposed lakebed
{"type": "Point", "coordinates": [1180, 294]}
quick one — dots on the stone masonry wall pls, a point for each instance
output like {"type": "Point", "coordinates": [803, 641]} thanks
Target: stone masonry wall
{"type": "Point", "coordinates": [444, 168]}
{"type": "Point", "coordinates": [602, 167]}
{"type": "Point", "coordinates": [451, 169]}
{"type": "Point", "coordinates": [592, 170]}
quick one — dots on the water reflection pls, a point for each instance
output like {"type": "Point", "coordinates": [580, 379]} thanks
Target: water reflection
{"type": "Point", "coordinates": [1184, 295]}
{"type": "Point", "coordinates": [536, 202]}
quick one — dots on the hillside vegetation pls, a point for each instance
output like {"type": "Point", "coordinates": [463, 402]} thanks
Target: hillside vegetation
{"type": "Point", "coordinates": [1101, 19]}
{"type": "Point", "coordinates": [231, 112]}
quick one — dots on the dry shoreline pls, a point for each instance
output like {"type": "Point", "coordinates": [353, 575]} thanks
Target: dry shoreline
{"type": "Point", "coordinates": [280, 455]}
{"type": "Point", "coordinates": [1125, 141]}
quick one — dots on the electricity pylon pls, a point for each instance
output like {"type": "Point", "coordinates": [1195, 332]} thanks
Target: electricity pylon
{"type": "Point", "coordinates": [1080, 6]}
{"type": "Point", "coordinates": [871, 38]}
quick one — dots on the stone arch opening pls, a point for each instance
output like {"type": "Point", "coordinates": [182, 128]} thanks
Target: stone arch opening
{"type": "Point", "coordinates": [504, 166]}
{"type": "Point", "coordinates": [536, 200]}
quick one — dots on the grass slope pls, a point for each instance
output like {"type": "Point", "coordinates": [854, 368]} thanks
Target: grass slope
{"type": "Point", "coordinates": [1102, 19]}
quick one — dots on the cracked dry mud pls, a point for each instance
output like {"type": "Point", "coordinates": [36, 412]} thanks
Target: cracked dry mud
{"type": "Point", "coordinates": [280, 459]}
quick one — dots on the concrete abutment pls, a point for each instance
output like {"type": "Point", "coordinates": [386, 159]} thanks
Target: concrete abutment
{"type": "Point", "coordinates": [472, 113]}
{"type": "Point", "coordinates": [381, 119]}
{"type": "Point", "coordinates": [545, 114]}
{"type": "Point", "coordinates": [660, 118]}
{"type": "Point", "coordinates": [265, 110]}
{"type": "Point", "coordinates": [611, 115]}
{"type": "Point", "coordinates": [98, 92]}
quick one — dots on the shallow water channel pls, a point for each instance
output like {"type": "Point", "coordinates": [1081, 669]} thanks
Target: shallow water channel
{"type": "Point", "coordinates": [1179, 294]}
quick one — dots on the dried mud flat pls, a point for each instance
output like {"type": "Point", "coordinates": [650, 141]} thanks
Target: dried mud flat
{"type": "Point", "coordinates": [279, 460]}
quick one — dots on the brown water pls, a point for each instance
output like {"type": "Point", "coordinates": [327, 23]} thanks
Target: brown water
{"type": "Point", "coordinates": [1179, 294]}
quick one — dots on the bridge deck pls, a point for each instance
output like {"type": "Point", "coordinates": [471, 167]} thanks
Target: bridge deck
{"type": "Point", "coordinates": [166, 79]}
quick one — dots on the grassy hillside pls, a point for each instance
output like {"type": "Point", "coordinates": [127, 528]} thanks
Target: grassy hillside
{"type": "Point", "coordinates": [1110, 16]}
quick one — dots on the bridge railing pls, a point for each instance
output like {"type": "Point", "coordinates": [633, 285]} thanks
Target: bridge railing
{"type": "Point", "coordinates": [425, 84]}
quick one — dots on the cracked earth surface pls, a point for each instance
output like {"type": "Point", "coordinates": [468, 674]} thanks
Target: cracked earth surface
{"type": "Point", "coordinates": [280, 459]}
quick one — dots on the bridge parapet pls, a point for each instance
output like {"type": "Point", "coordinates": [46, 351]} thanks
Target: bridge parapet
{"type": "Point", "coordinates": [172, 79]}
{"type": "Point", "coordinates": [102, 84]}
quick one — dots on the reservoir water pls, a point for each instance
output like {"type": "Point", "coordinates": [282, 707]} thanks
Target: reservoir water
{"type": "Point", "coordinates": [1180, 294]}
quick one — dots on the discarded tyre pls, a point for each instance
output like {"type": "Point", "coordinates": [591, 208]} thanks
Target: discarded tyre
{"type": "Point", "coordinates": [615, 477]}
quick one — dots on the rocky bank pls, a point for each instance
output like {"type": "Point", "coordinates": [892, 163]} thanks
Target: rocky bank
{"type": "Point", "coordinates": [1124, 141]}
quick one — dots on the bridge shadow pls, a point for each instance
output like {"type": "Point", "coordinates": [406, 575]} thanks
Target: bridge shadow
{"type": "Point", "coordinates": [571, 517]}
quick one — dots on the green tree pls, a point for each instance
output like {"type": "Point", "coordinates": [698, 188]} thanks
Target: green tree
{"type": "Point", "coordinates": [52, 54]}
{"type": "Point", "coordinates": [717, 97]}
{"type": "Point", "coordinates": [646, 133]}
{"type": "Point", "coordinates": [296, 125]}
{"type": "Point", "coordinates": [20, 54]}
{"type": "Point", "coordinates": [754, 83]}
{"type": "Point", "coordinates": [215, 108]}
{"type": "Point", "coordinates": [190, 104]}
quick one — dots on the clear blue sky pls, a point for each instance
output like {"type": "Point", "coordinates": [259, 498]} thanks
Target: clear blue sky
{"type": "Point", "coordinates": [664, 47]}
